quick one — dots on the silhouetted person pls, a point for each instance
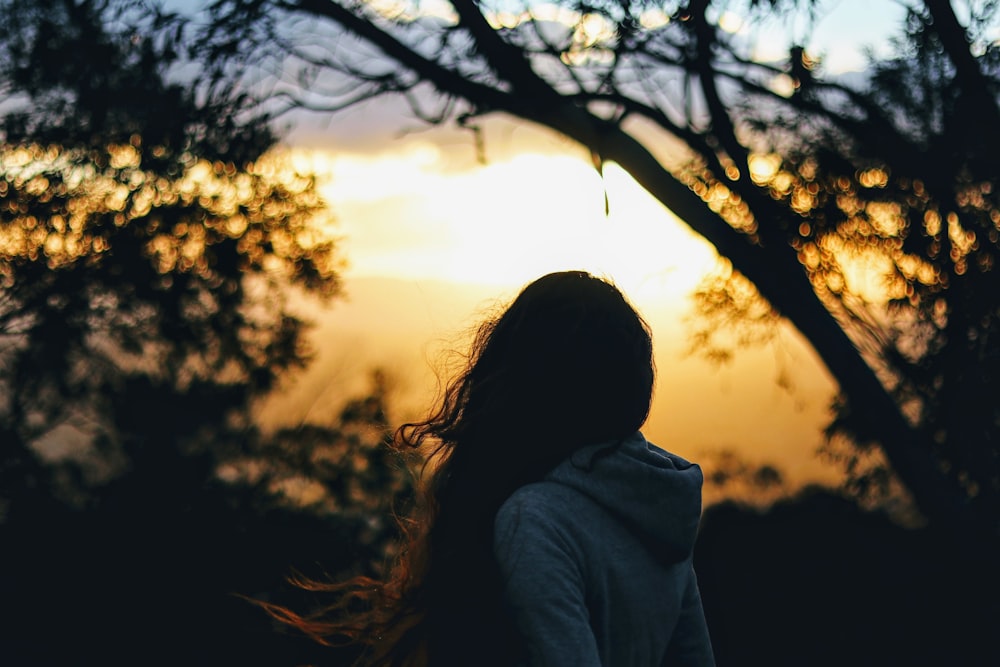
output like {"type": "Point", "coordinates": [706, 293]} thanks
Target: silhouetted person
{"type": "Point", "coordinates": [548, 531]}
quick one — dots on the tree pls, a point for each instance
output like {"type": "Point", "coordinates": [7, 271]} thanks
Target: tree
{"type": "Point", "coordinates": [809, 186]}
{"type": "Point", "coordinates": [149, 249]}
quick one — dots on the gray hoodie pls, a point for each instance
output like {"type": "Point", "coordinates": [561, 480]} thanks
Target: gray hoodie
{"type": "Point", "coordinates": [596, 560]}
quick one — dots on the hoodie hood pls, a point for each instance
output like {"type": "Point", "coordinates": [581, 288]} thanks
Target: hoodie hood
{"type": "Point", "coordinates": [655, 493]}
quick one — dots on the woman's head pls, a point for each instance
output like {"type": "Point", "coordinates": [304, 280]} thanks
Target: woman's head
{"type": "Point", "coordinates": [567, 363]}
{"type": "Point", "coordinates": [569, 358]}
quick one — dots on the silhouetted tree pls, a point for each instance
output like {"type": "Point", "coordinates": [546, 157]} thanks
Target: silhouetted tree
{"type": "Point", "coordinates": [730, 476]}
{"type": "Point", "coordinates": [149, 249]}
{"type": "Point", "coordinates": [814, 579]}
{"type": "Point", "coordinates": [813, 188]}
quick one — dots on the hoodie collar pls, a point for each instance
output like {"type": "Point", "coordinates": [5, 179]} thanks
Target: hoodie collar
{"type": "Point", "coordinates": [655, 493]}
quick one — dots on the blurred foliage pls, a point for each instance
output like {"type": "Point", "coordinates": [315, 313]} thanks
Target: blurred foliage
{"type": "Point", "coordinates": [135, 265]}
{"type": "Point", "coordinates": [90, 74]}
{"type": "Point", "coordinates": [151, 246]}
{"type": "Point", "coordinates": [728, 315]}
{"type": "Point", "coordinates": [899, 232]}
{"type": "Point", "coordinates": [730, 476]}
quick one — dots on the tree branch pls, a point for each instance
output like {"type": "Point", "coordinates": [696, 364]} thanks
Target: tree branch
{"type": "Point", "coordinates": [507, 61]}
{"type": "Point", "coordinates": [442, 78]}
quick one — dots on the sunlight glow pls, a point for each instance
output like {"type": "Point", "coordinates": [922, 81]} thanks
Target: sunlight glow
{"type": "Point", "coordinates": [764, 167]}
{"type": "Point", "coordinates": [433, 241]}
{"type": "Point", "coordinates": [405, 215]}
{"type": "Point", "coordinates": [730, 22]}
{"type": "Point", "coordinates": [653, 18]}
{"type": "Point", "coordinates": [783, 85]}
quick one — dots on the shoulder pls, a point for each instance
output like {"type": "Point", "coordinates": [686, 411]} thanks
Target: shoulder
{"type": "Point", "coordinates": [541, 508]}
{"type": "Point", "coordinates": [538, 527]}
{"type": "Point", "coordinates": [544, 512]}
{"type": "Point", "coordinates": [541, 503]}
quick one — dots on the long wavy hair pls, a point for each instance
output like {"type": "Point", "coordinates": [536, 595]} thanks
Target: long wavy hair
{"type": "Point", "coordinates": [568, 363]}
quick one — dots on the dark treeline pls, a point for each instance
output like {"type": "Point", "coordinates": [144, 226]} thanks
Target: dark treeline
{"type": "Point", "coordinates": [146, 262]}
{"type": "Point", "coordinates": [811, 581]}
{"type": "Point", "coordinates": [816, 580]}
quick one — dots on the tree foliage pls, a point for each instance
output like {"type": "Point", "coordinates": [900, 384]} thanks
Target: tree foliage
{"type": "Point", "coordinates": [145, 258]}
{"type": "Point", "coordinates": [862, 210]}
{"type": "Point", "coordinates": [151, 245]}
{"type": "Point", "coordinates": [149, 248]}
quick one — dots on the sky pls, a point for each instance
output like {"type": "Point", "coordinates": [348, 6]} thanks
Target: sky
{"type": "Point", "coordinates": [434, 241]}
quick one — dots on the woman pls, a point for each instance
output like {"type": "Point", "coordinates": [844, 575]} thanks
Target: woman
{"type": "Point", "coordinates": [550, 532]}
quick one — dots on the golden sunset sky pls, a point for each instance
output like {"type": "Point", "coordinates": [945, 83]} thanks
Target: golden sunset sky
{"type": "Point", "coordinates": [433, 239]}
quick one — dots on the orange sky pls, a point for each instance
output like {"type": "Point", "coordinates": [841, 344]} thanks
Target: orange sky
{"type": "Point", "coordinates": [432, 238]}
